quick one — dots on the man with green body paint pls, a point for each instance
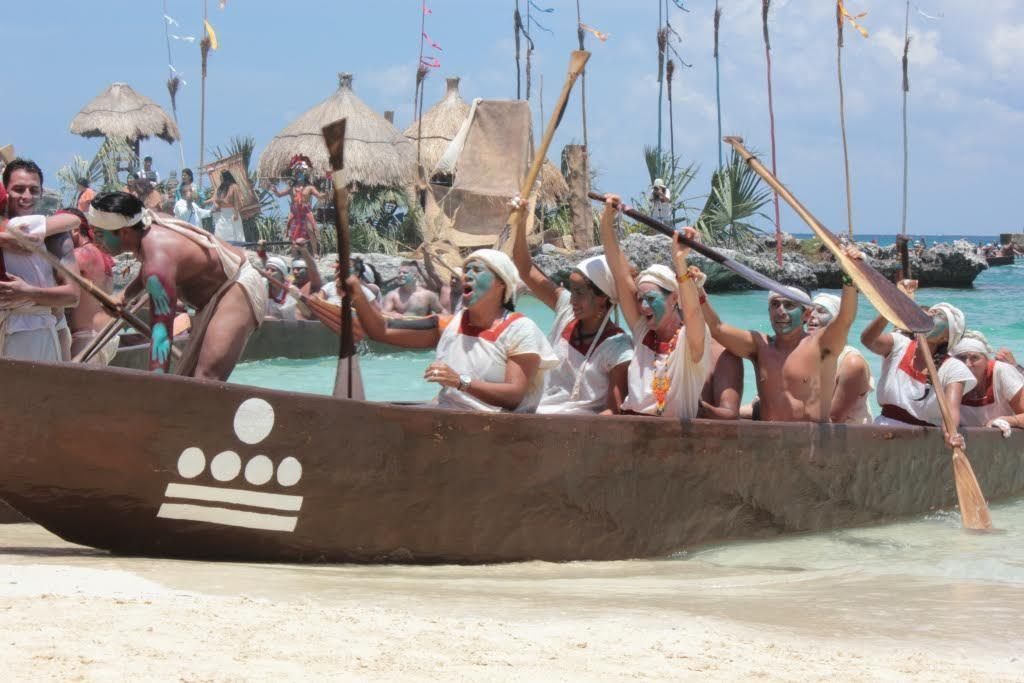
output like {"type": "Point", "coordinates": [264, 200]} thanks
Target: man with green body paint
{"type": "Point", "coordinates": [410, 298]}
{"type": "Point", "coordinates": [795, 370]}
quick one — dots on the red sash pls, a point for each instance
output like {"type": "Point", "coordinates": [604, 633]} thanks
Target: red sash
{"type": "Point", "coordinates": [490, 334]}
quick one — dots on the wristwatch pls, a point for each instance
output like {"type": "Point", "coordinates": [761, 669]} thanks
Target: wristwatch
{"type": "Point", "coordinates": [464, 381]}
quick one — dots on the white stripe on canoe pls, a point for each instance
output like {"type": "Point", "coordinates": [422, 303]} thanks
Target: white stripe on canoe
{"type": "Point", "coordinates": [228, 517]}
{"type": "Point", "coordinates": [216, 494]}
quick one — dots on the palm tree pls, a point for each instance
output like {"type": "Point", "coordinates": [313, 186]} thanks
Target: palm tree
{"type": "Point", "coordinates": [677, 178]}
{"type": "Point", "coordinates": [101, 171]}
{"type": "Point", "coordinates": [737, 195]}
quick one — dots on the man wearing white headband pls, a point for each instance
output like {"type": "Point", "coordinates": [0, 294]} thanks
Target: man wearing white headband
{"type": "Point", "coordinates": [409, 298]}
{"type": "Point", "coordinates": [998, 398]}
{"type": "Point", "coordinates": [905, 391]}
{"type": "Point", "coordinates": [671, 344]}
{"type": "Point", "coordinates": [280, 306]}
{"type": "Point", "coordinates": [489, 358]}
{"type": "Point", "coordinates": [795, 369]}
{"type": "Point", "coordinates": [853, 374]}
{"type": "Point", "coordinates": [593, 352]}
{"type": "Point", "coordinates": [181, 261]}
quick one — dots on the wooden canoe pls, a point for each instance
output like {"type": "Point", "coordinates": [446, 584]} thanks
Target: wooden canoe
{"type": "Point", "coordinates": [166, 466]}
{"type": "Point", "coordinates": [993, 261]}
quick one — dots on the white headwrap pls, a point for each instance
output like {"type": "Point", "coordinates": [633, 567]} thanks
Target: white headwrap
{"type": "Point", "coordinates": [795, 293]}
{"type": "Point", "coordinates": [278, 263]}
{"type": "Point", "coordinates": [955, 319]}
{"type": "Point", "coordinates": [659, 275]}
{"type": "Point", "coordinates": [972, 342]}
{"type": "Point", "coordinates": [502, 265]}
{"type": "Point", "coordinates": [298, 263]}
{"type": "Point", "coordinates": [597, 271]}
{"type": "Point", "coordinates": [830, 302]}
{"type": "Point", "coordinates": [107, 220]}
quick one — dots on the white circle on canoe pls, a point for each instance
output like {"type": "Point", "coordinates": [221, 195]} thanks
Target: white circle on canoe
{"type": "Point", "coordinates": [254, 420]}
{"type": "Point", "coordinates": [259, 470]}
{"type": "Point", "coordinates": [289, 472]}
{"type": "Point", "coordinates": [191, 462]}
{"type": "Point", "coordinates": [225, 466]}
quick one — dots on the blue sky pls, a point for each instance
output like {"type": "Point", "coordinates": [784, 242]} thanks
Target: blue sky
{"type": "Point", "coordinates": [278, 59]}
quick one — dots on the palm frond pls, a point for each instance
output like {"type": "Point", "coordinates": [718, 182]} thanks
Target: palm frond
{"type": "Point", "coordinates": [737, 195]}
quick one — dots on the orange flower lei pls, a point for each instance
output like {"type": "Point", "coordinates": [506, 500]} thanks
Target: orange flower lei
{"type": "Point", "coordinates": [661, 383]}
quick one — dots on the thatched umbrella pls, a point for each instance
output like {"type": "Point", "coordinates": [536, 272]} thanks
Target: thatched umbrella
{"type": "Point", "coordinates": [439, 126]}
{"type": "Point", "coordinates": [553, 188]}
{"type": "Point", "coordinates": [121, 113]}
{"type": "Point", "coordinates": [376, 154]}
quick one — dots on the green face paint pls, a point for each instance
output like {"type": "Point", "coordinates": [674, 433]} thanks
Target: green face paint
{"type": "Point", "coordinates": [794, 315]}
{"type": "Point", "coordinates": [654, 301]}
{"type": "Point", "coordinates": [940, 326]}
{"type": "Point", "coordinates": [480, 278]}
{"type": "Point", "coordinates": [111, 241]}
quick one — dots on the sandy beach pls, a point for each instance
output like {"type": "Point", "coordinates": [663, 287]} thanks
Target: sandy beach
{"type": "Point", "coordinates": [72, 613]}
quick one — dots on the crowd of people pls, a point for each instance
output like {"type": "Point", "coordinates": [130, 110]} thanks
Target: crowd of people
{"type": "Point", "coordinates": [675, 357]}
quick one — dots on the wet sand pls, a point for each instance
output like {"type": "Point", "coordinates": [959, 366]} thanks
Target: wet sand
{"type": "Point", "coordinates": [68, 612]}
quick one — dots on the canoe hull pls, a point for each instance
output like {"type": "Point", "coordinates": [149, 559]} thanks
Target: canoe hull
{"type": "Point", "coordinates": [167, 466]}
{"type": "Point", "coordinates": [994, 261]}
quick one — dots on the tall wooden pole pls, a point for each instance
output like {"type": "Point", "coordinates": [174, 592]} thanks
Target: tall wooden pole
{"type": "Point", "coordinates": [842, 117]}
{"type": "Point", "coordinates": [204, 49]}
{"type": "Point", "coordinates": [765, 5]}
{"type": "Point", "coordinates": [906, 144]}
{"type": "Point", "coordinates": [718, 87]}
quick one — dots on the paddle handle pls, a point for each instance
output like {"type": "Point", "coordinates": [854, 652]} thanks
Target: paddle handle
{"type": "Point", "coordinates": [974, 512]}
{"type": "Point", "coordinates": [341, 196]}
{"type": "Point", "coordinates": [577, 61]}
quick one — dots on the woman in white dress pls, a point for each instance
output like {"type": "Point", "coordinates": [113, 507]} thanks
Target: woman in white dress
{"type": "Point", "coordinates": [998, 398]}
{"type": "Point", "coordinates": [227, 216]}
{"type": "Point", "coordinates": [489, 358]}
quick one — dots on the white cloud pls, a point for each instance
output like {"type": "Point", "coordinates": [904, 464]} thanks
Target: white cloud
{"type": "Point", "coordinates": [1006, 46]}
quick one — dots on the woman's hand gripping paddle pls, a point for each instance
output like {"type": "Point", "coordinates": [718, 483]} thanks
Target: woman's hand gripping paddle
{"type": "Point", "coordinates": [348, 380]}
{"type": "Point", "coordinates": [904, 313]}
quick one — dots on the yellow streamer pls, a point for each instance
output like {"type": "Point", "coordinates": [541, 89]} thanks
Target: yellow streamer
{"type": "Point", "coordinates": [600, 35]}
{"type": "Point", "coordinates": [211, 35]}
{"type": "Point", "coordinates": [853, 18]}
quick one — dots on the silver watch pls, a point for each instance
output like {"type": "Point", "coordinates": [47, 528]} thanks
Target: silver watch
{"type": "Point", "coordinates": [464, 381]}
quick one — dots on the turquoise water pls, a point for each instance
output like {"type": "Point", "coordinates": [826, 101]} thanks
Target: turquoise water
{"type": "Point", "coordinates": [993, 307]}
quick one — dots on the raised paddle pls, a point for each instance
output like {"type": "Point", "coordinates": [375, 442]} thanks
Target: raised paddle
{"type": "Point", "coordinates": [745, 272]}
{"type": "Point", "coordinates": [902, 311]}
{"type": "Point", "coordinates": [506, 239]}
{"type": "Point", "coordinates": [105, 299]}
{"type": "Point", "coordinates": [348, 380]}
{"type": "Point", "coordinates": [894, 305]}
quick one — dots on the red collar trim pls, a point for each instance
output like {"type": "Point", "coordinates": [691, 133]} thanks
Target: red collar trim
{"type": "Point", "coordinates": [990, 394]}
{"type": "Point", "coordinates": [491, 334]}
{"type": "Point", "coordinates": [568, 334]}
{"type": "Point", "coordinates": [661, 348]}
{"type": "Point", "coordinates": [907, 364]}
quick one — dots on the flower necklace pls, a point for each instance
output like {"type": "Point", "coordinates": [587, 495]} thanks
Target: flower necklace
{"type": "Point", "coordinates": [661, 382]}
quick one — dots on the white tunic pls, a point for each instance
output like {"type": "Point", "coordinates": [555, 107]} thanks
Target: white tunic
{"type": "Point", "coordinates": [484, 354]}
{"type": "Point", "coordinates": [37, 272]}
{"type": "Point", "coordinates": [284, 310]}
{"type": "Point", "coordinates": [614, 348]}
{"type": "Point", "coordinates": [1004, 382]}
{"type": "Point", "coordinates": [686, 377]}
{"type": "Point", "coordinates": [227, 225]}
{"type": "Point", "coordinates": [900, 385]}
{"type": "Point", "coordinates": [861, 413]}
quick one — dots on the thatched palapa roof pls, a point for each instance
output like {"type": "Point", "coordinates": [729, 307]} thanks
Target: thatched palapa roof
{"type": "Point", "coordinates": [120, 112]}
{"type": "Point", "coordinates": [440, 125]}
{"type": "Point", "coordinates": [553, 188]}
{"type": "Point", "coordinates": [376, 154]}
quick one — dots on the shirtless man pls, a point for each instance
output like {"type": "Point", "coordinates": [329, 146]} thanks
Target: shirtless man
{"type": "Point", "coordinates": [795, 370]}
{"type": "Point", "coordinates": [723, 390]}
{"type": "Point", "coordinates": [33, 292]}
{"type": "Point", "coordinates": [410, 298]}
{"type": "Point", "coordinates": [89, 317]}
{"type": "Point", "coordinates": [853, 376]}
{"type": "Point", "coordinates": [182, 261]}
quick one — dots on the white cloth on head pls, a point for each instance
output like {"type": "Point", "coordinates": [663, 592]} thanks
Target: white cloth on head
{"type": "Point", "coordinates": [972, 342]}
{"type": "Point", "coordinates": [227, 225]}
{"type": "Point", "coordinates": [484, 355]}
{"type": "Point", "coordinates": [597, 271]}
{"type": "Point", "coordinates": [613, 349]}
{"type": "Point", "coordinates": [797, 294]}
{"type": "Point", "coordinates": [830, 302]}
{"type": "Point", "coordinates": [278, 264]}
{"type": "Point", "coordinates": [503, 267]}
{"type": "Point", "coordinates": [659, 275]}
{"type": "Point", "coordinates": [108, 220]}
{"type": "Point", "coordinates": [686, 376]}
{"type": "Point", "coordinates": [955, 320]}
{"type": "Point", "coordinates": [1004, 383]}
{"type": "Point", "coordinates": [298, 263]}
{"type": "Point", "coordinates": [900, 385]}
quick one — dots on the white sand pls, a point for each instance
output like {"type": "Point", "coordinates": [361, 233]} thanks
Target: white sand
{"type": "Point", "coordinates": [90, 617]}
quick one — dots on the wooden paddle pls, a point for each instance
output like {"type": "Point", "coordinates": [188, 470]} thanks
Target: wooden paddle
{"type": "Point", "coordinates": [348, 380]}
{"type": "Point", "coordinates": [7, 154]}
{"type": "Point", "coordinates": [745, 272]}
{"type": "Point", "coordinates": [902, 311]}
{"type": "Point", "coordinates": [326, 312]}
{"type": "Point", "coordinates": [894, 305]}
{"type": "Point", "coordinates": [105, 299]}
{"type": "Point", "coordinates": [506, 239]}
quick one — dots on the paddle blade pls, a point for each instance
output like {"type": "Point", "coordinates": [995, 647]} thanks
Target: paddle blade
{"type": "Point", "coordinates": [973, 508]}
{"type": "Point", "coordinates": [7, 154]}
{"type": "Point", "coordinates": [348, 381]}
{"type": "Point", "coordinates": [334, 138]}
